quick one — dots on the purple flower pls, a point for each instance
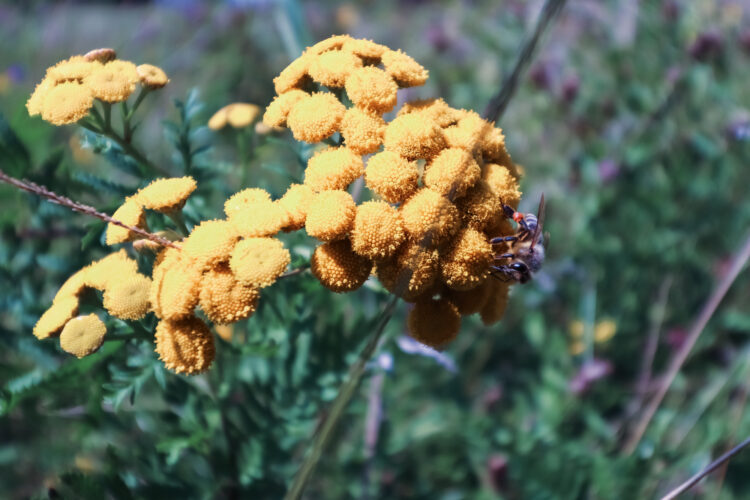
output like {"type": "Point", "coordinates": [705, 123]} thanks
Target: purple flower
{"type": "Point", "coordinates": [608, 170]}
{"type": "Point", "coordinates": [16, 73]}
{"type": "Point", "coordinates": [590, 372]}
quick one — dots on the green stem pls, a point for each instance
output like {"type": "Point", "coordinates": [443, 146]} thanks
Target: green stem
{"type": "Point", "coordinates": [134, 153]}
{"type": "Point", "coordinates": [107, 115]}
{"type": "Point", "coordinates": [138, 100]}
{"type": "Point", "coordinates": [324, 434]}
{"type": "Point", "coordinates": [179, 221]}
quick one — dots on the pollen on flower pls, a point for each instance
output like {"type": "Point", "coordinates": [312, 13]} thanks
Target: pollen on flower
{"type": "Point", "coordinates": [259, 262]}
{"type": "Point", "coordinates": [128, 297]}
{"type": "Point", "coordinates": [468, 133]}
{"type": "Point", "coordinates": [391, 176]}
{"type": "Point", "coordinates": [152, 77]}
{"type": "Point", "coordinates": [242, 199]}
{"type": "Point", "coordinates": [83, 335]}
{"type": "Point", "coordinates": [73, 286]}
{"type": "Point", "coordinates": [405, 71]}
{"type": "Point", "coordinates": [335, 42]}
{"type": "Point", "coordinates": [338, 268]}
{"type": "Point", "coordinates": [467, 260]}
{"type": "Point", "coordinates": [333, 168]}
{"type": "Point", "coordinates": [497, 300]}
{"type": "Point", "coordinates": [471, 301]}
{"type": "Point", "coordinates": [259, 218]}
{"type": "Point", "coordinates": [435, 110]}
{"type": "Point", "coordinates": [332, 68]}
{"type": "Point", "coordinates": [54, 318]}
{"type": "Point", "coordinates": [411, 272]}
{"type": "Point", "coordinates": [502, 183]}
{"type": "Point", "coordinates": [224, 299]}
{"type": "Point", "coordinates": [366, 49]}
{"type": "Point", "coordinates": [35, 103]}
{"type": "Point", "coordinates": [330, 215]}
{"type": "Point", "coordinates": [296, 201]}
{"type": "Point", "coordinates": [413, 137]}
{"type": "Point", "coordinates": [210, 242]}
{"type": "Point", "coordinates": [103, 272]}
{"type": "Point", "coordinates": [65, 103]}
{"type": "Point", "coordinates": [434, 322]}
{"type": "Point", "coordinates": [372, 89]}
{"type": "Point", "coordinates": [293, 76]}
{"type": "Point", "coordinates": [378, 231]}
{"type": "Point", "coordinates": [75, 69]}
{"type": "Point", "coordinates": [166, 195]}
{"type": "Point", "coordinates": [175, 285]}
{"type": "Point", "coordinates": [451, 173]}
{"type": "Point", "coordinates": [493, 147]}
{"type": "Point", "coordinates": [429, 217]}
{"type": "Point", "coordinates": [114, 81]}
{"type": "Point", "coordinates": [480, 208]}
{"type": "Point", "coordinates": [185, 346]}
{"type": "Point", "coordinates": [130, 213]}
{"type": "Point", "coordinates": [276, 113]}
{"type": "Point", "coordinates": [362, 130]}
{"type": "Point", "coordinates": [315, 117]}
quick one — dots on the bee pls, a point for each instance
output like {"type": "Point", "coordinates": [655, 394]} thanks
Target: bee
{"type": "Point", "coordinates": [525, 254]}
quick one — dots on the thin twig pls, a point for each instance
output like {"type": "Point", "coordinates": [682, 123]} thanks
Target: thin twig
{"type": "Point", "coordinates": [708, 470]}
{"type": "Point", "coordinates": [496, 107]}
{"type": "Point", "coordinates": [738, 262]}
{"type": "Point", "coordinates": [294, 272]}
{"type": "Point", "coordinates": [42, 191]}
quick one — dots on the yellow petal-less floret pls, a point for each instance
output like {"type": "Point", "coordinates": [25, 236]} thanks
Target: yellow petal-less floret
{"type": "Point", "coordinates": [468, 133]}
{"type": "Point", "coordinates": [372, 89]}
{"type": "Point", "coordinates": [338, 268]}
{"type": "Point", "coordinates": [114, 81]}
{"type": "Point", "coordinates": [296, 201]}
{"type": "Point", "coordinates": [429, 217]}
{"type": "Point", "coordinates": [294, 76]}
{"type": "Point", "coordinates": [471, 301]}
{"type": "Point", "coordinates": [210, 242]}
{"type": "Point", "coordinates": [259, 261]}
{"type": "Point", "coordinates": [175, 286]}
{"type": "Point", "coordinates": [333, 168]}
{"type": "Point", "coordinates": [224, 299]}
{"type": "Point", "coordinates": [411, 272]}
{"type": "Point", "coordinates": [102, 273]}
{"type": "Point", "coordinates": [83, 335]}
{"type": "Point", "coordinates": [152, 77]}
{"type": "Point", "coordinates": [36, 101]}
{"type": "Point", "coordinates": [366, 49]}
{"type": "Point", "coordinates": [332, 68]}
{"type": "Point", "coordinates": [315, 117]}
{"type": "Point", "coordinates": [130, 213]}
{"type": "Point", "coordinates": [413, 137]}
{"type": "Point", "coordinates": [278, 111]}
{"type": "Point", "coordinates": [75, 69]}
{"type": "Point", "coordinates": [330, 215]}
{"type": "Point", "coordinates": [362, 130]}
{"type": "Point", "coordinates": [435, 110]}
{"type": "Point", "coordinates": [497, 301]}
{"type": "Point", "coordinates": [378, 231]}
{"type": "Point", "coordinates": [335, 42]}
{"type": "Point", "coordinates": [166, 195]}
{"type": "Point", "coordinates": [391, 176]}
{"type": "Point", "coordinates": [128, 297]}
{"type": "Point", "coordinates": [73, 286]}
{"type": "Point", "coordinates": [502, 182]}
{"type": "Point", "coordinates": [451, 173]}
{"type": "Point", "coordinates": [66, 103]}
{"type": "Point", "coordinates": [480, 208]}
{"type": "Point", "coordinates": [185, 346]}
{"type": "Point", "coordinates": [54, 318]}
{"type": "Point", "coordinates": [242, 199]}
{"type": "Point", "coordinates": [242, 114]}
{"type": "Point", "coordinates": [260, 218]}
{"type": "Point", "coordinates": [467, 260]}
{"type": "Point", "coordinates": [405, 71]}
{"type": "Point", "coordinates": [493, 147]}
{"type": "Point", "coordinates": [434, 322]}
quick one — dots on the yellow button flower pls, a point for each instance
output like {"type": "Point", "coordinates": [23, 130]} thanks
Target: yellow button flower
{"type": "Point", "coordinates": [391, 176]}
{"type": "Point", "coordinates": [259, 261]}
{"type": "Point", "coordinates": [185, 346]}
{"type": "Point", "coordinates": [315, 117]}
{"type": "Point", "coordinates": [430, 218]}
{"type": "Point", "coordinates": [335, 42]}
{"type": "Point", "coordinates": [406, 71]}
{"type": "Point", "coordinates": [332, 68]}
{"type": "Point", "coordinates": [166, 195]}
{"type": "Point", "coordinates": [276, 113]}
{"type": "Point", "coordinates": [372, 89]}
{"type": "Point", "coordinates": [435, 110]}
{"type": "Point", "coordinates": [467, 260]}
{"type": "Point", "coordinates": [35, 104]}
{"type": "Point", "coordinates": [480, 208]}
{"type": "Point", "coordinates": [152, 77]}
{"type": "Point", "coordinates": [102, 273]}
{"type": "Point", "coordinates": [471, 301]}
{"type": "Point", "coordinates": [260, 218]}
{"type": "Point", "coordinates": [434, 322]}
{"type": "Point", "coordinates": [411, 272]}
{"type": "Point", "coordinates": [130, 213]}
{"type": "Point", "coordinates": [241, 199]}
{"type": "Point", "coordinates": [114, 81]}
{"type": "Point", "coordinates": [366, 49]}
{"type": "Point", "coordinates": [378, 230]}
{"type": "Point", "coordinates": [413, 137]}
{"type": "Point", "coordinates": [333, 168]}
{"type": "Point", "coordinates": [74, 69]}
{"type": "Point", "coordinates": [497, 300]}
{"type": "Point", "coordinates": [338, 268]}
{"type": "Point", "coordinates": [362, 130]}
{"type": "Point", "coordinates": [502, 182]}
{"type": "Point", "coordinates": [468, 133]}
{"type": "Point", "coordinates": [73, 286]}
{"type": "Point", "coordinates": [330, 215]}
{"type": "Point", "coordinates": [83, 335]}
{"type": "Point", "coordinates": [451, 173]}
{"type": "Point", "coordinates": [102, 55]}
{"type": "Point", "coordinates": [210, 242]}
{"type": "Point", "coordinates": [65, 103]}
{"type": "Point", "coordinates": [128, 297]}
{"type": "Point", "coordinates": [224, 299]}
{"type": "Point", "coordinates": [175, 286]}
{"type": "Point", "coordinates": [296, 201]}
{"type": "Point", "coordinates": [294, 76]}
{"type": "Point", "coordinates": [55, 317]}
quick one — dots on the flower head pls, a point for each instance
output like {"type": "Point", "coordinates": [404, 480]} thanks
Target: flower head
{"type": "Point", "coordinates": [260, 218]}
{"type": "Point", "coordinates": [224, 299]}
{"type": "Point", "coordinates": [451, 173]}
{"type": "Point", "coordinates": [64, 103]}
{"type": "Point", "coordinates": [410, 272]}
{"type": "Point", "coordinates": [405, 71]}
{"type": "Point", "coordinates": [391, 176]}
{"type": "Point", "coordinates": [35, 104]}
{"type": "Point", "coordinates": [166, 195]}
{"type": "Point", "coordinates": [429, 216]}
{"type": "Point", "coordinates": [83, 335]}
{"type": "Point", "coordinates": [480, 208]}
{"type": "Point", "coordinates": [372, 89]}
{"type": "Point", "coordinates": [338, 268]}
{"type": "Point", "coordinates": [74, 69]}
{"type": "Point", "coordinates": [315, 117]}
{"type": "Point", "coordinates": [332, 68]}
{"type": "Point", "coordinates": [335, 42]}
{"type": "Point", "coordinates": [366, 49]}
{"type": "Point", "coordinates": [502, 183]}
{"type": "Point", "coordinates": [333, 168]}
{"type": "Point", "coordinates": [55, 317]}
{"type": "Point", "coordinates": [296, 201]}
{"type": "Point", "coordinates": [467, 260]}
{"type": "Point", "coordinates": [468, 133]}
{"type": "Point", "coordinates": [294, 76]}
{"type": "Point", "coordinates": [435, 110]}
{"type": "Point", "coordinates": [378, 230]}
{"type": "Point", "coordinates": [128, 297]}
{"type": "Point", "coordinates": [114, 81]}
{"type": "Point", "coordinates": [497, 300]}
{"type": "Point", "coordinates": [362, 130]}
{"type": "Point", "coordinates": [471, 301]}
{"type": "Point", "coordinates": [330, 215]}
{"type": "Point", "coordinates": [130, 213]}
{"type": "Point", "coordinates": [210, 242]}
{"type": "Point", "coordinates": [241, 199]}
{"type": "Point", "coordinates": [73, 286]}
{"type": "Point", "coordinates": [413, 137]}
{"type": "Point", "coordinates": [102, 273]}
{"type": "Point", "coordinates": [152, 77]}
{"type": "Point", "coordinates": [175, 286]}
{"type": "Point", "coordinates": [259, 262]}
{"type": "Point", "coordinates": [237, 115]}
{"type": "Point", "coordinates": [185, 346]}
{"type": "Point", "coordinates": [434, 322]}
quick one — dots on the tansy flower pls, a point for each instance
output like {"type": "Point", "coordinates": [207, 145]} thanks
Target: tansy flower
{"type": "Point", "coordinates": [467, 260]}
{"type": "Point", "coordinates": [55, 317]}
{"type": "Point", "coordinates": [373, 89]}
{"type": "Point", "coordinates": [435, 110]}
{"type": "Point", "coordinates": [259, 261]}
{"type": "Point", "coordinates": [409, 273]}
{"type": "Point", "coordinates": [83, 335]}
{"type": "Point", "coordinates": [152, 77]}
{"type": "Point", "coordinates": [242, 199]}
{"type": "Point", "coordinates": [130, 213]}
{"type": "Point", "coordinates": [413, 137]}
{"type": "Point", "coordinates": [493, 147]}
{"type": "Point", "coordinates": [210, 242]}
{"type": "Point", "coordinates": [335, 42]}
{"type": "Point", "coordinates": [237, 115]}
{"type": "Point", "coordinates": [73, 286]}
{"type": "Point", "coordinates": [128, 297]}
{"type": "Point", "coordinates": [315, 117]}
{"type": "Point", "coordinates": [114, 81]}
{"type": "Point", "coordinates": [434, 322]}
{"type": "Point", "coordinates": [35, 104]}
{"type": "Point", "coordinates": [102, 55]}
{"type": "Point", "coordinates": [391, 176]}
{"type": "Point", "coordinates": [260, 218]}
{"type": "Point", "coordinates": [330, 215]}
{"type": "Point", "coordinates": [294, 76]}
{"type": "Point", "coordinates": [185, 346]}
{"type": "Point", "coordinates": [333, 168]}
{"type": "Point", "coordinates": [468, 133]}
{"type": "Point", "coordinates": [224, 299]}
{"type": "Point", "coordinates": [296, 201]}
{"type": "Point", "coordinates": [144, 245]}
{"type": "Point", "coordinates": [175, 286]}
{"type": "Point", "coordinates": [278, 111]}
{"type": "Point", "coordinates": [166, 195]}
{"type": "Point", "coordinates": [366, 49]}
{"type": "Point", "coordinates": [497, 300]}
{"type": "Point", "coordinates": [226, 332]}
{"type": "Point", "coordinates": [65, 103]}
{"type": "Point", "coordinates": [110, 269]}
{"type": "Point", "coordinates": [362, 130]}
{"type": "Point", "coordinates": [378, 230]}
{"type": "Point", "coordinates": [405, 71]}
{"type": "Point", "coordinates": [451, 173]}
{"type": "Point", "coordinates": [338, 268]}
{"type": "Point", "coordinates": [480, 208]}
{"type": "Point", "coordinates": [74, 69]}
{"type": "Point", "coordinates": [471, 301]}
{"type": "Point", "coordinates": [332, 68]}
{"type": "Point", "coordinates": [502, 182]}
{"type": "Point", "coordinates": [604, 330]}
{"type": "Point", "coordinates": [429, 217]}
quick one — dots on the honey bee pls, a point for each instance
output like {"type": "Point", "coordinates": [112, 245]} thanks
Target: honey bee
{"type": "Point", "coordinates": [525, 254]}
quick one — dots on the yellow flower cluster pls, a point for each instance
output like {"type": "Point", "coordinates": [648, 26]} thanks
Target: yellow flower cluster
{"type": "Point", "coordinates": [69, 88]}
{"type": "Point", "coordinates": [442, 175]}
{"type": "Point", "coordinates": [236, 115]}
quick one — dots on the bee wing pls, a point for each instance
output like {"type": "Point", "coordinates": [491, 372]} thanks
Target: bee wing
{"type": "Point", "coordinates": [539, 224]}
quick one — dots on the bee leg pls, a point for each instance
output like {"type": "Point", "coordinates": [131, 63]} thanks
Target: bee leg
{"type": "Point", "coordinates": [508, 211]}
{"type": "Point", "coordinates": [500, 239]}
{"type": "Point", "coordinates": [504, 256]}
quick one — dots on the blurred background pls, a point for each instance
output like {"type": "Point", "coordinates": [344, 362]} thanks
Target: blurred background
{"type": "Point", "coordinates": [633, 120]}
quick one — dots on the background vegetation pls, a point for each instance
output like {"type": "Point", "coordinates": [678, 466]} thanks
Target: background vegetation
{"type": "Point", "coordinates": [633, 121]}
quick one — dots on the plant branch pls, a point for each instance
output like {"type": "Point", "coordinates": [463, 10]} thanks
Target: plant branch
{"type": "Point", "coordinates": [53, 197]}
{"type": "Point", "coordinates": [496, 107]}
{"type": "Point", "coordinates": [738, 262]}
